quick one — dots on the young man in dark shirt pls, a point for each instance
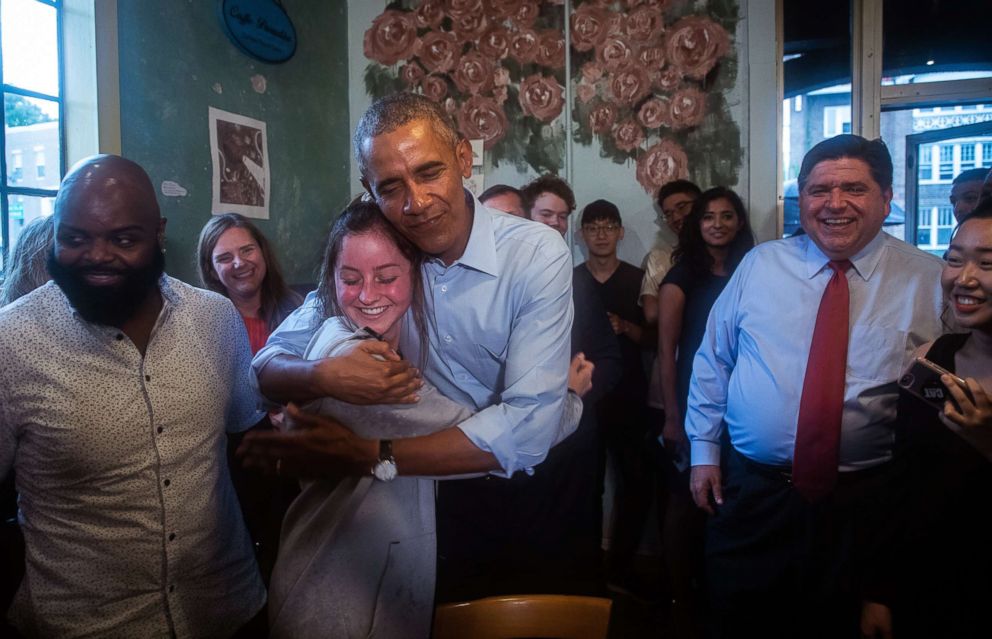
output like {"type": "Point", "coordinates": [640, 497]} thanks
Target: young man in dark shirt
{"type": "Point", "coordinates": [623, 415]}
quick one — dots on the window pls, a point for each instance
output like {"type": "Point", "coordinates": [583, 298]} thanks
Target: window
{"type": "Point", "coordinates": [926, 162]}
{"type": "Point", "coordinates": [945, 226]}
{"type": "Point", "coordinates": [946, 161]}
{"type": "Point", "coordinates": [967, 156]}
{"type": "Point", "coordinates": [836, 120]}
{"type": "Point", "coordinates": [987, 153]}
{"type": "Point", "coordinates": [30, 63]}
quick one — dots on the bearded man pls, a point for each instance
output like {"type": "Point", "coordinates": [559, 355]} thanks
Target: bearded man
{"type": "Point", "coordinates": [116, 391]}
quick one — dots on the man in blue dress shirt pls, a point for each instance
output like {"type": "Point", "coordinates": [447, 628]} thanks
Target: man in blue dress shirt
{"type": "Point", "coordinates": [780, 564]}
{"type": "Point", "coordinates": [499, 314]}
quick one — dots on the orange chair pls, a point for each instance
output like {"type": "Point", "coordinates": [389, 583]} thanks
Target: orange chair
{"type": "Point", "coordinates": [512, 617]}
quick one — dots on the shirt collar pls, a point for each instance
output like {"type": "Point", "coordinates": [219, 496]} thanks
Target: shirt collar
{"type": "Point", "coordinates": [864, 262]}
{"type": "Point", "coordinates": [480, 252]}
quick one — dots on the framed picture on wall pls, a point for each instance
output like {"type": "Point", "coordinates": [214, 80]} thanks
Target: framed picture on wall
{"type": "Point", "coordinates": [239, 149]}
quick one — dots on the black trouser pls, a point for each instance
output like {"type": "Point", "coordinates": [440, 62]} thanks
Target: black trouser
{"type": "Point", "coordinates": [780, 567]}
{"type": "Point", "coordinates": [529, 534]}
{"type": "Point", "coordinates": [625, 434]}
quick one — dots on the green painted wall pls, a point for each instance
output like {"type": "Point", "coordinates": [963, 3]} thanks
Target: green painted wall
{"type": "Point", "coordinates": [175, 61]}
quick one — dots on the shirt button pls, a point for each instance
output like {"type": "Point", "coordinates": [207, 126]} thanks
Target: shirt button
{"type": "Point", "coordinates": [444, 288]}
{"type": "Point", "coordinates": [447, 338]}
{"type": "Point", "coordinates": [172, 536]}
{"type": "Point", "coordinates": [159, 429]}
{"type": "Point", "coordinates": [167, 482]}
{"type": "Point", "coordinates": [119, 337]}
{"type": "Point", "coordinates": [148, 378]}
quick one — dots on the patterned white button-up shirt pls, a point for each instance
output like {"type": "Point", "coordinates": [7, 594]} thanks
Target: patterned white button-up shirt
{"type": "Point", "coordinates": [131, 524]}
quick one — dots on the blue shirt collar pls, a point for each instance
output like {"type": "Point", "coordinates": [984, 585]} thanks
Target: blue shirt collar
{"type": "Point", "coordinates": [480, 252]}
{"type": "Point", "coordinates": [864, 262]}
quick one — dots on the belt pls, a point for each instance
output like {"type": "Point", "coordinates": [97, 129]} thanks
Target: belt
{"type": "Point", "coordinates": [784, 473]}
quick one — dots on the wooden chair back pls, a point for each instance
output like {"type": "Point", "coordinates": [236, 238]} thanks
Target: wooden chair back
{"type": "Point", "coordinates": [530, 616]}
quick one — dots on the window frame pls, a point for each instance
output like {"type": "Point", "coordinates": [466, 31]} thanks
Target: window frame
{"type": "Point", "coordinates": [7, 190]}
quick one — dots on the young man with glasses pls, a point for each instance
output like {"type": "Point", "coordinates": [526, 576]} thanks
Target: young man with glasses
{"type": "Point", "coordinates": [622, 413]}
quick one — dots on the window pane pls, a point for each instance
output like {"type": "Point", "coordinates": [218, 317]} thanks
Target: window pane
{"type": "Point", "coordinates": [817, 76]}
{"type": "Point", "coordinates": [32, 129]}
{"type": "Point", "coordinates": [938, 162]}
{"type": "Point", "coordinates": [30, 46]}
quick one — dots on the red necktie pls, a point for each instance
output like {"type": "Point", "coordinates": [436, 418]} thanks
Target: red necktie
{"type": "Point", "coordinates": [814, 461]}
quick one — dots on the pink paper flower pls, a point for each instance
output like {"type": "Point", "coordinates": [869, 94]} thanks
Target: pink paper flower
{"type": "Point", "coordinates": [645, 24]}
{"type": "Point", "coordinates": [688, 107]}
{"type": "Point", "coordinates": [657, 4]}
{"type": "Point", "coordinates": [526, 14]}
{"type": "Point", "coordinates": [523, 46]}
{"type": "Point", "coordinates": [628, 86]}
{"type": "Point", "coordinates": [695, 44]}
{"type": "Point", "coordinates": [652, 59]}
{"type": "Point", "coordinates": [429, 14]}
{"type": "Point", "coordinates": [542, 97]}
{"type": "Point", "coordinates": [458, 8]}
{"type": "Point", "coordinates": [437, 51]}
{"type": "Point", "coordinates": [434, 87]}
{"type": "Point", "coordinates": [469, 27]}
{"type": "Point", "coordinates": [589, 24]}
{"type": "Point", "coordinates": [411, 74]}
{"type": "Point", "coordinates": [481, 117]}
{"type": "Point", "coordinates": [391, 38]}
{"type": "Point", "coordinates": [668, 79]}
{"type": "Point", "coordinates": [602, 116]}
{"type": "Point", "coordinates": [474, 73]}
{"type": "Point", "coordinates": [551, 49]}
{"type": "Point", "coordinates": [655, 113]}
{"type": "Point", "coordinates": [660, 164]}
{"type": "Point", "coordinates": [628, 135]}
{"type": "Point", "coordinates": [495, 42]}
{"type": "Point", "coordinates": [614, 52]}
{"type": "Point", "coordinates": [500, 10]}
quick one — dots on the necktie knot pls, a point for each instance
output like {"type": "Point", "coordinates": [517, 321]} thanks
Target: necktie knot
{"type": "Point", "coordinates": [840, 266]}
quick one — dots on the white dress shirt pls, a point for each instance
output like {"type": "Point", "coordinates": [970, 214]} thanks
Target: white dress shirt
{"type": "Point", "coordinates": [131, 524]}
{"type": "Point", "coordinates": [749, 370]}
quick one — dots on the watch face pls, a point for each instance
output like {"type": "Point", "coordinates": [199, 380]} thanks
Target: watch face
{"type": "Point", "coordinates": [385, 470]}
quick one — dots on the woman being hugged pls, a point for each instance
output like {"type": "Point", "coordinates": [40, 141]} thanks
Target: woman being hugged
{"type": "Point", "coordinates": [236, 260]}
{"type": "Point", "coordinates": [357, 555]}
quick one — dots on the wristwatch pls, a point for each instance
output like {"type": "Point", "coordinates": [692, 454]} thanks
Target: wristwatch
{"type": "Point", "coordinates": [385, 468]}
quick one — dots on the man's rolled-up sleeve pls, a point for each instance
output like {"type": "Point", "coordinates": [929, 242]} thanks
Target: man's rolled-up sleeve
{"type": "Point", "coordinates": [290, 338]}
{"type": "Point", "coordinates": [527, 421]}
{"type": "Point", "coordinates": [711, 370]}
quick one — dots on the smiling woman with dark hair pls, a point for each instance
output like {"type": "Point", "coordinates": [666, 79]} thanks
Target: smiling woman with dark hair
{"type": "Point", "coordinates": [933, 575]}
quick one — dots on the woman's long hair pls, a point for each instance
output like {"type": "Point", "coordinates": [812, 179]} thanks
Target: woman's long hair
{"type": "Point", "coordinates": [363, 217]}
{"type": "Point", "coordinates": [278, 300]}
{"type": "Point", "coordinates": [693, 250]}
{"type": "Point", "coordinates": [26, 268]}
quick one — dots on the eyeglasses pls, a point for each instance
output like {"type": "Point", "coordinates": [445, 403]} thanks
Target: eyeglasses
{"type": "Point", "coordinates": [596, 229]}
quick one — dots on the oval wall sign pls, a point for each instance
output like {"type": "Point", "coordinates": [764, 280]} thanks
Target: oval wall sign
{"type": "Point", "coordinates": [260, 28]}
